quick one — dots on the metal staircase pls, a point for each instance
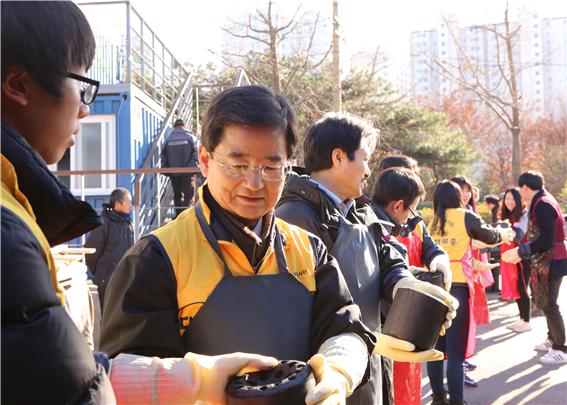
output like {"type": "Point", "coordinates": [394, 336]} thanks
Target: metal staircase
{"type": "Point", "coordinates": [131, 59]}
{"type": "Point", "coordinates": [154, 190]}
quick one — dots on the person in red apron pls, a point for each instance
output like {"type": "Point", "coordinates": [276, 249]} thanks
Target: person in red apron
{"type": "Point", "coordinates": [394, 186]}
{"type": "Point", "coordinates": [546, 250]}
{"type": "Point", "coordinates": [453, 228]}
{"type": "Point", "coordinates": [227, 275]}
{"type": "Point", "coordinates": [516, 276]}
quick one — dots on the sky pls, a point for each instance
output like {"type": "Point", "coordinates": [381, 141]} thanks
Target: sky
{"type": "Point", "coordinates": [192, 28]}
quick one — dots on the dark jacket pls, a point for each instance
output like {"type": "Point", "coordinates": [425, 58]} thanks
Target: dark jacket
{"type": "Point", "coordinates": [180, 150]}
{"type": "Point", "coordinates": [304, 204]}
{"type": "Point", "coordinates": [546, 216]}
{"type": "Point", "coordinates": [430, 249]}
{"type": "Point", "coordinates": [110, 240]}
{"type": "Point", "coordinates": [44, 357]}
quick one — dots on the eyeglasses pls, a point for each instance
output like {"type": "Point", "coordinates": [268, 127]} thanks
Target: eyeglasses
{"type": "Point", "coordinates": [242, 170]}
{"type": "Point", "coordinates": [89, 87]}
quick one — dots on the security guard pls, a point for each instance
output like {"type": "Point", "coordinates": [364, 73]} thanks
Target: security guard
{"type": "Point", "coordinates": [227, 275]}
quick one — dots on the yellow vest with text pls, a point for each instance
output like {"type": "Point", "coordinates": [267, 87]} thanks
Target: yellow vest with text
{"type": "Point", "coordinates": [198, 269]}
{"type": "Point", "coordinates": [15, 201]}
{"type": "Point", "coordinates": [456, 241]}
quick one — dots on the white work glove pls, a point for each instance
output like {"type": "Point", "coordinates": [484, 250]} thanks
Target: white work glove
{"type": "Point", "coordinates": [506, 234]}
{"type": "Point", "coordinates": [140, 379]}
{"type": "Point", "coordinates": [415, 270]}
{"type": "Point", "coordinates": [338, 368]}
{"type": "Point", "coordinates": [214, 372]}
{"type": "Point", "coordinates": [479, 266]}
{"type": "Point", "coordinates": [442, 264]}
{"type": "Point", "coordinates": [401, 350]}
{"type": "Point", "coordinates": [428, 288]}
{"type": "Point", "coordinates": [333, 385]}
{"type": "Point", "coordinates": [511, 256]}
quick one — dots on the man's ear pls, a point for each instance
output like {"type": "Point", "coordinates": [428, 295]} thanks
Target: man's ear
{"type": "Point", "coordinates": [399, 205]}
{"type": "Point", "coordinates": [337, 156]}
{"type": "Point", "coordinates": [204, 159]}
{"type": "Point", "coordinates": [16, 86]}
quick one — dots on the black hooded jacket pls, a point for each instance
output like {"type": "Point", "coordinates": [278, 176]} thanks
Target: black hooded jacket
{"type": "Point", "coordinates": [44, 357]}
{"type": "Point", "coordinates": [304, 204]}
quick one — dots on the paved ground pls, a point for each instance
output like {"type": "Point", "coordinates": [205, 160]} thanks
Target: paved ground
{"type": "Point", "coordinates": [508, 371]}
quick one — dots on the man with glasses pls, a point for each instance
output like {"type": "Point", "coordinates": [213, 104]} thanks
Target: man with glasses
{"type": "Point", "coordinates": [47, 48]}
{"type": "Point", "coordinates": [228, 275]}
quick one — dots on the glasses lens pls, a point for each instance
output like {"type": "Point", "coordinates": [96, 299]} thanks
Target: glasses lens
{"type": "Point", "coordinates": [89, 93]}
{"type": "Point", "coordinates": [275, 173]}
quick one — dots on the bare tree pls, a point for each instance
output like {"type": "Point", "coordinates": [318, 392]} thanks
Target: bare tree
{"type": "Point", "coordinates": [336, 71]}
{"type": "Point", "coordinates": [501, 96]}
{"type": "Point", "coordinates": [265, 31]}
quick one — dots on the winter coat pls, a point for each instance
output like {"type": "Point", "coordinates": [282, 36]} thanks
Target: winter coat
{"type": "Point", "coordinates": [110, 240]}
{"type": "Point", "coordinates": [44, 357]}
{"type": "Point", "coordinates": [304, 204]}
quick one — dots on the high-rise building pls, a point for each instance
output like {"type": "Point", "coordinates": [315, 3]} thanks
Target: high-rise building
{"type": "Point", "coordinates": [478, 56]}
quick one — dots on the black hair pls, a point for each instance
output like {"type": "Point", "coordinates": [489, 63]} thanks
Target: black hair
{"type": "Point", "coordinates": [397, 183]}
{"type": "Point", "coordinates": [447, 194]}
{"type": "Point", "coordinates": [46, 38]}
{"type": "Point", "coordinates": [398, 161]}
{"type": "Point", "coordinates": [462, 181]}
{"type": "Point", "coordinates": [515, 215]}
{"type": "Point", "coordinates": [256, 106]}
{"type": "Point", "coordinates": [335, 130]}
{"type": "Point", "coordinates": [533, 179]}
{"type": "Point", "coordinates": [491, 199]}
{"type": "Point", "coordinates": [118, 195]}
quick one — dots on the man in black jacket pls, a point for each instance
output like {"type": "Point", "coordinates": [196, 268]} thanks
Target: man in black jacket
{"type": "Point", "coordinates": [336, 152]}
{"type": "Point", "coordinates": [47, 48]}
{"type": "Point", "coordinates": [227, 274]}
{"type": "Point", "coordinates": [110, 240]}
{"type": "Point", "coordinates": [180, 150]}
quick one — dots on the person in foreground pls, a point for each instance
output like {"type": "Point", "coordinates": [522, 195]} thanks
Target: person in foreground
{"type": "Point", "coordinates": [546, 250]}
{"type": "Point", "coordinates": [228, 275]}
{"type": "Point", "coordinates": [47, 48]}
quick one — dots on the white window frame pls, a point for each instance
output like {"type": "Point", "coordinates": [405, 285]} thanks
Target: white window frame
{"type": "Point", "coordinates": [108, 154]}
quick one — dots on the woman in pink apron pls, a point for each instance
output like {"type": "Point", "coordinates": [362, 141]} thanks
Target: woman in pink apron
{"type": "Point", "coordinates": [453, 228]}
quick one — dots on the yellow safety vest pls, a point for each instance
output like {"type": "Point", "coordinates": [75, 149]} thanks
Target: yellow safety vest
{"type": "Point", "coordinates": [456, 241]}
{"type": "Point", "coordinates": [14, 200]}
{"type": "Point", "coordinates": [198, 269]}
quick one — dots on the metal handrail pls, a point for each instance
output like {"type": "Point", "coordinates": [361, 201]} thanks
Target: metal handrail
{"type": "Point", "coordinates": [166, 120]}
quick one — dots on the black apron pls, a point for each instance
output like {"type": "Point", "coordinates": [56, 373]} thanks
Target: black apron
{"type": "Point", "coordinates": [357, 255]}
{"type": "Point", "coordinates": [264, 314]}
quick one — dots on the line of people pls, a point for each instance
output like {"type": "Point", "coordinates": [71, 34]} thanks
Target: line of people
{"type": "Point", "coordinates": [232, 274]}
